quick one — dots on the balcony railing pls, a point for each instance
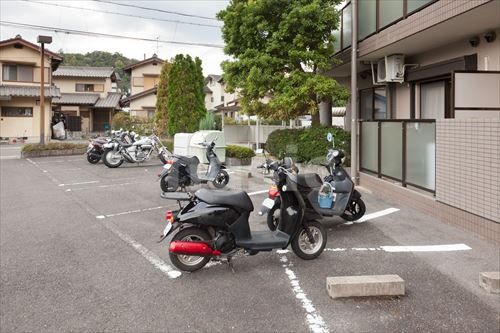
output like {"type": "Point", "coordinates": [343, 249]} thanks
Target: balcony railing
{"type": "Point", "coordinates": [401, 150]}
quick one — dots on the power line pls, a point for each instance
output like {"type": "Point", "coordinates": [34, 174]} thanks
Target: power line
{"type": "Point", "coordinates": [98, 34]}
{"type": "Point", "coordinates": [122, 14]}
{"type": "Point", "coordinates": [156, 10]}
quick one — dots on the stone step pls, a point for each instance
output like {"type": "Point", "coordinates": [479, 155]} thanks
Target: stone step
{"type": "Point", "coordinates": [490, 281]}
{"type": "Point", "coordinates": [365, 285]}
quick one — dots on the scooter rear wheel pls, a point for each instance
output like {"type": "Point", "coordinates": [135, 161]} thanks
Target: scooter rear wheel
{"type": "Point", "coordinates": [302, 245]}
{"type": "Point", "coordinates": [169, 184]}
{"type": "Point", "coordinates": [186, 262]}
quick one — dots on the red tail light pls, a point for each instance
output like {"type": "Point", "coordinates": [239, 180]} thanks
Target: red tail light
{"type": "Point", "coordinates": [273, 192]}
{"type": "Point", "coordinates": [169, 162]}
{"type": "Point", "coordinates": [192, 249]}
{"type": "Point", "coordinates": [170, 216]}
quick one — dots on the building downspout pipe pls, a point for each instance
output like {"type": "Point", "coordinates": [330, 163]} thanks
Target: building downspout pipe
{"type": "Point", "coordinates": [354, 94]}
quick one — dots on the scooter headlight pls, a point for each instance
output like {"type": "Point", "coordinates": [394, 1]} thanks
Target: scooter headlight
{"type": "Point", "coordinates": [284, 188]}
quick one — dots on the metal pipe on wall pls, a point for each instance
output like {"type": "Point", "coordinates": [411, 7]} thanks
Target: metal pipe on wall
{"type": "Point", "coordinates": [354, 94]}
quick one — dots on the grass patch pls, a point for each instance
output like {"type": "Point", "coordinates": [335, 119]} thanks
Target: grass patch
{"type": "Point", "coordinates": [35, 147]}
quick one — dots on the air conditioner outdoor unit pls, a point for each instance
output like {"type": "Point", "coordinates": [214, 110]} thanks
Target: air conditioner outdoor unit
{"type": "Point", "coordinates": [391, 69]}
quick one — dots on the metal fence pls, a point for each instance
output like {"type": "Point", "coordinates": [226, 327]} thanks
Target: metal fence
{"type": "Point", "coordinates": [401, 150]}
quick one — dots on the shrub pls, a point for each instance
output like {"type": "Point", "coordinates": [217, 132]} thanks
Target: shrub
{"type": "Point", "coordinates": [239, 152]}
{"type": "Point", "coordinates": [140, 125]}
{"type": "Point", "coordinates": [308, 144]}
{"type": "Point", "coordinates": [208, 122]}
{"type": "Point", "coordinates": [32, 147]}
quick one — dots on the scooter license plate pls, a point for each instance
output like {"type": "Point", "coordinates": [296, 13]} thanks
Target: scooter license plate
{"type": "Point", "coordinates": [268, 203]}
{"type": "Point", "coordinates": [167, 229]}
{"type": "Point", "coordinates": [167, 166]}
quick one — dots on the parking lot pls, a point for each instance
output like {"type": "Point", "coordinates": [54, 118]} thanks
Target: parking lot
{"type": "Point", "coordinates": [79, 252]}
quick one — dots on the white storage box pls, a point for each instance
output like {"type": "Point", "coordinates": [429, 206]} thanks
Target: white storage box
{"type": "Point", "coordinates": [207, 136]}
{"type": "Point", "coordinates": [181, 143]}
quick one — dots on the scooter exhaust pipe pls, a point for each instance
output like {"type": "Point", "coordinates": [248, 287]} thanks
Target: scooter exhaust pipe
{"type": "Point", "coordinates": [193, 249]}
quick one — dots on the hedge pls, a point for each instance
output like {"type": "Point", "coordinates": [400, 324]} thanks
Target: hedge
{"type": "Point", "coordinates": [34, 147]}
{"type": "Point", "coordinates": [239, 152]}
{"type": "Point", "coordinates": [308, 144]}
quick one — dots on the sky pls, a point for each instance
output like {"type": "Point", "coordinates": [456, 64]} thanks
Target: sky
{"type": "Point", "coordinates": [34, 12]}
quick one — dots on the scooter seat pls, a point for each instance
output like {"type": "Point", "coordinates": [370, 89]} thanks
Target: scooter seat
{"type": "Point", "coordinates": [310, 180]}
{"type": "Point", "coordinates": [189, 159]}
{"type": "Point", "coordinates": [236, 199]}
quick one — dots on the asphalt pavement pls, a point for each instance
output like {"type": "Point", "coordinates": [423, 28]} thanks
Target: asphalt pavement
{"type": "Point", "coordinates": [79, 252]}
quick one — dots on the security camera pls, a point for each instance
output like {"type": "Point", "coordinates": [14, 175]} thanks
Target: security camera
{"type": "Point", "coordinates": [490, 36]}
{"type": "Point", "coordinates": [474, 41]}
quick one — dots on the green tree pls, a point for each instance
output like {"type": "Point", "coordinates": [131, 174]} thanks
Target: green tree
{"type": "Point", "coordinates": [279, 49]}
{"type": "Point", "coordinates": [185, 97]}
{"type": "Point", "coordinates": [161, 113]}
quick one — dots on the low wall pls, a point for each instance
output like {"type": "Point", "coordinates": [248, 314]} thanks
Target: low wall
{"type": "Point", "coordinates": [248, 133]}
{"type": "Point", "coordinates": [468, 165]}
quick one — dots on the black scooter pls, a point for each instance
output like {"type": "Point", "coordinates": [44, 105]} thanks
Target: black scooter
{"type": "Point", "coordinates": [214, 225]}
{"type": "Point", "coordinates": [181, 171]}
{"type": "Point", "coordinates": [346, 201]}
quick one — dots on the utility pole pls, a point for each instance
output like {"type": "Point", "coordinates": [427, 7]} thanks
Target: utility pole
{"type": "Point", "coordinates": [42, 40]}
{"type": "Point", "coordinates": [354, 94]}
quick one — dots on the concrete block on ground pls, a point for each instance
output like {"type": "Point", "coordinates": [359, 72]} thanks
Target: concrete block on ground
{"type": "Point", "coordinates": [365, 285]}
{"type": "Point", "coordinates": [490, 281]}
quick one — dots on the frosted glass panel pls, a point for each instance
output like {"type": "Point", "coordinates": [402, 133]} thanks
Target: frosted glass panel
{"type": "Point", "coordinates": [421, 154]}
{"type": "Point", "coordinates": [380, 111]}
{"type": "Point", "coordinates": [369, 146]}
{"type": "Point", "coordinates": [390, 11]}
{"type": "Point", "coordinates": [346, 26]}
{"type": "Point", "coordinates": [432, 97]}
{"type": "Point", "coordinates": [336, 43]}
{"type": "Point", "coordinates": [366, 104]}
{"type": "Point", "coordinates": [415, 4]}
{"type": "Point", "coordinates": [367, 17]}
{"type": "Point", "coordinates": [392, 150]}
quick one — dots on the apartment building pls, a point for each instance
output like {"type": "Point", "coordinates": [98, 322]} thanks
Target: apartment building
{"type": "Point", "coordinates": [20, 67]}
{"type": "Point", "coordinates": [218, 100]}
{"type": "Point", "coordinates": [428, 83]}
{"type": "Point", "coordinates": [144, 78]}
{"type": "Point", "coordinates": [89, 97]}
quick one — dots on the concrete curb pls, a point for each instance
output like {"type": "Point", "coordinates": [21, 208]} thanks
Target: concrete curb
{"type": "Point", "coordinates": [47, 153]}
{"type": "Point", "coordinates": [365, 285]}
{"type": "Point", "coordinates": [490, 281]}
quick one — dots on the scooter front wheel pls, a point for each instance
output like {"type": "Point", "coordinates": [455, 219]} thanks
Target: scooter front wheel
{"type": "Point", "coordinates": [355, 210]}
{"type": "Point", "coordinates": [310, 242]}
{"type": "Point", "coordinates": [221, 179]}
{"type": "Point", "coordinates": [273, 218]}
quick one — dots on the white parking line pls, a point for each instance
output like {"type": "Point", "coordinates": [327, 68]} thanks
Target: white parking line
{"type": "Point", "coordinates": [150, 256]}
{"type": "Point", "coordinates": [82, 183]}
{"type": "Point", "coordinates": [59, 161]}
{"type": "Point", "coordinates": [129, 212]}
{"type": "Point", "coordinates": [399, 248]}
{"type": "Point", "coordinates": [314, 320]}
{"type": "Point", "coordinates": [257, 192]}
{"type": "Point", "coordinates": [100, 186]}
{"type": "Point", "coordinates": [427, 248]}
{"type": "Point", "coordinates": [377, 214]}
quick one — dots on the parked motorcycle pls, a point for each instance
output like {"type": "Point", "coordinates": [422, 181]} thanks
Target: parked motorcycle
{"type": "Point", "coordinates": [116, 151]}
{"type": "Point", "coordinates": [337, 191]}
{"type": "Point", "coordinates": [181, 171]}
{"type": "Point", "coordinates": [95, 149]}
{"type": "Point", "coordinates": [215, 225]}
